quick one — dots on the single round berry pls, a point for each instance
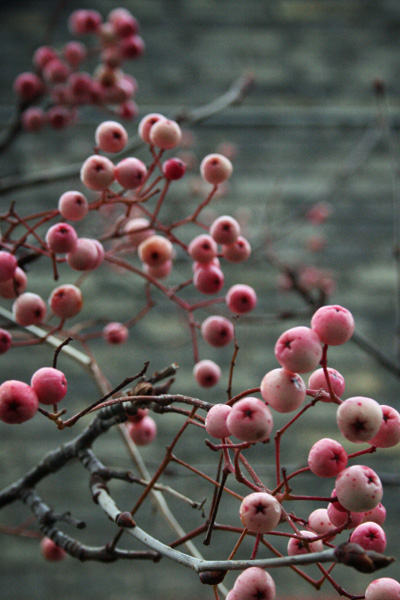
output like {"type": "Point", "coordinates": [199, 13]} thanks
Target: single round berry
{"type": "Point", "coordinates": [254, 583]}
{"type": "Point", "coordinates": [33, 119]}
{"type": "Point", "coordinates": [61, 238]}
{"type": "Point", "coordinates": [5, 341]}
{"type": "Point", "coordinates": [217, 331]}
{"type": "Point", "coordinates": [173, 169]}
{"type": "Point", "coordinates": [165, 134]}
{"type": "Point", "coordinates": [97, 173]}
{"type": "Point", "coordinates": [216, 421]}
{"type": "Point", "coordinates": [377, 515]}
{"type": "Point", "coordinates": [14, 287]}
{"type": "Point", "coordinates": [123, 22]}
{"type": "Point", "coordinates": [43, 55]}
{"type": "Point", "coordinates": [29, 309]}
{"type": "Point", "coordinates": [203, 248]}
{"type": "Point", "coordinates": [237, 252]}
{"type": "Point", "coordinates": [207, 373]}
{"type": "Point", "coordinates": [59, 117]}
{"type": "Point", "coordinates": [384, 588]}
{"type": "Point", "coordinates": [115, 333]}
{"type": "Point", "coordinates": [317, 381]}
{"type": "Point", "coordinates": [139, 415]}
{"type": "Point", "coordinates": [282, 390]}
{"type": "Point", "coordinates": [132, 47]}
{"type": "Point", "coordinates": [18, 402]}
{"type": "Point", "coordinates": [208, 279]}
{"type": "Point", "coordinates": [389, 432]}
{"type": "Point", "coordinates": [250, 420]}
{"type": "Point", "coordinates": [73, 206]}
{"type": "Point", "coordinates": [260, 512]}
{"type": "Point", "coordinates": [369, 536]}
{"type": "Point", "coordinates": [8, 265]}
{"type": "Point", "coordinates": [155, 250]}
{"type": "Point", "coordinates": [86, 256]}
{"type": "Point", "coordinates": [74, 53]}
{"type": "Point", "coordinates": [241, 299]}
{"type": "Point", "coordinates": [359, 418]}
{"type": "Point", "coordinates": [320, 522]}
{"type": "Point", "coordinates": [66, 301]}
{"type": "Point", "coordinates": [84, 21]}
{"type": "Point", "coordinates": [215, 168]}
{"type": "Point", "coordinates": [304, 546]}
{"type": "Point", "coordinates": [130, 173]}
{"type": "Point", "coordinates": [51, 551]}
{"type": "Point", "coordinates": [299, 350]}
{"type": "Point", "coordinates": [333, 324]}
{"type": "Point", "coordinates": [358, 488]}
{"type": "Point", "coordinates": [225, 230]}
{"type": "Point", "coordinates": [143, 432]}
{"type": "Point", "coordinates": [49, 384]}
{"type": "Point", "coordinates": [110, 136]}
{"type": "Point", "coordinates": [327, 458]}
{"type": "Point", "coordinates": [28, 86]}
{"type": "Point", "coordinates": [340, 518]}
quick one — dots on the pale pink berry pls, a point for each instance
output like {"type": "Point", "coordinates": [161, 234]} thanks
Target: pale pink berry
{"type": "Point", "coordinates": [215, 168]}
{"type": "Point", "coordinates": [384, 588]}
{"type": "Point", "coordinates": [97, 173]}
{"type": "Point", "coordinates": [155, 250]}
{"type": "Point", "coordinates": [8, 265]}
{"type": "Point", "coordinates": [203, 248]}
{"type": "Point", "coordinates": [28, 86]}
{"type": "Point", "coordinates": [147, 123]}
{"type": "Point", "coordinates": [207, 373]}
{"type": "Point", "coordinates": [85, 255]}
{"type": "Point", "coordinates": [159, 271]}
{"type": "Point", "coordinates": [389, 432]}
{"type": "Point", "coordinates": [51, 551]}
{"type": "Point", "coordinates": [339, 517]}
{"type": "Point", "coordinates": [358, 488]}
{"type": "Point", "coordinates": [173, 169]}
{"type": "Point", "coordinates": [66, 301]}
{"type": "Point", "coordinates": [73, 206]}
{"type": "Point", "coordinates": [260, 512]}
{"type": "Point", "coordinates": [138, 230]}
{"type": "Point", "coordinates": [282, 390]}
{"type": "Point", "coordinates": [255, 583]}
{"type": "Point", "coordinates": [14, 287]}
{"type": "Point", "coordinates": [216, 421]}
{"type": "Point", "coordinates": [225, 230]}
{"type": "Point", "coordinates": [299, 350]}
{"type": "Point", "coordinates": [296, 546]}
{"type": "Point", "coordinates": [320, 522]}
{"type": "Point", "coordinates": [49, 384]}
{"type": "Point", "coordinates": [132, 47]}
{"type": "Point", "coordinates": [115, 333]}
{"type": "Point", "coordinates": [29, 309]}
{"type": "Point", "coordinates": [369, 536]}
{"type": "Point", "coordinates": [83, 21]}
{"type": "Point", "coordinates": [143, 432]}
{"type": "Point", "coordinates": [241, 299]}
{"type": "Point", "coordinates": [18, 402]}
{"type": "Point", "coordinates": [130, 173]}
{"type": "Point", "coordinates": [33, 119]}
{"type": "Point", "coordinates": [237, 252]}
{"type": "Point", "coordinates": [333, 324]}
{"type": "Point", "coordinates": [61, 238]}
{"type": "Point", "coordinates": [165, 134]}
{"type": "Point", "coordinates": [377, 515]}
{"type": "Point", "coordinates": [5, 341]}
{"type": "Point", "coordinates": [110, 136]}
{"type": "Point", "coordinates": [250, 420]}
{"type": "Point", "coordinates": [359, 418]}
{"type": "Point", "coordinates": [318, 381]}
{"type": "Point", "coordinates": [217, 331]}
{"type": "Point", "coordinates": [208, 279]}
{"type": "Point", "coordinates": [327, 458]}
{"type": "Point", "coordinates": [200, 265]}
{"type": "Point", "coordinates": [232, 595]}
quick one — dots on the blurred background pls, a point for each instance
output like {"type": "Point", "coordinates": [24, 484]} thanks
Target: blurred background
{"type": "Point", "coordinates": [319, 127]}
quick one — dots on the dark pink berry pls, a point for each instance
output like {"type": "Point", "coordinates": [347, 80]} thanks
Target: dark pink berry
{"type": "Point", "coordinates": [225, 230]}
{"type": "Point", "coordinates": [62, 238]}
{"type": "Point", "coordinates": [49, 384]}
{"type": "Point", "coordinates": [241, 299]}
{"type": "Point", "coordinates": [173, 168]}
{"type": "Point", "coordinates": [217, 331]}
{"type": "Point", "coordinates": [208, 279]}
{"type": "Point", "coordinates": [18, 402]}
{"type": "Point", "coordinates": [5, 341]}
{"type": "Point", "coordinates": [207, 373]}
{"type": "Point", "coordinates": [8, 265]}
{"type": "Point", "coordinates": [115, 333]}
{"type": "Point", "coordinates": [143, 432]}
{"type": "Point", "coordinates": [51, 551]}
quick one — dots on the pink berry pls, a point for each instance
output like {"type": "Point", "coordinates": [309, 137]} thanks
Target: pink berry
{"type": "Point", "coordinates": [128, 110]}
{"type": "Point", "coordinates": [299, 349]}
{"type": "Point", "coordinates": [216, 421]}
{"type": "Point", "coordinates": [282, 390]}
{"type": "Point", "coordinates": [377, 514]}
{"type": "Point", "coordinates": [339, 517]}
{"type": "Point", "coordinates": [49, 384]}
{"type": "Point", "coordinates": [173, 169]}
{"type": "Point", "coordinates": [29, 309]}
{"type": "Point", "coordinates": [237, 252]}
{"type": "Point", "coordinates": [146, 124]}
{"type": "Point", "coordinates": [203, 248]}
{"type": "Point", "coordinates": [159, 271]}
{"type": "Point", "coordinates": [296, 546]}
{"type": "Point", "coordinates": [155, 250]}
{"type": "Point", "coordinates": [18, 402]}
{"type": "Point", "coordinates": [358, 488]}
{"type": "Point", "coordinates": [56, 71]}
{"type": "Point", "coordinates": [241, 299]}
{"type": "Point", "coordinates": [97, 173]}
{"type": "Point", "coordinates": [165, 134]}
{"type": "Point", "coordinates": [74, 53]}
{"type": "Point", "coordinates": [232, 595]}
{"type": "Point", "coordinates": [215, 168]}
{"type": "Point", "coordinates": [137, 230]}
{"type": "Point", "coordinates": [384, 588]}
{"type": "Point", "coordinates": [28, 86]}
{"type": "Point", "coordinates": [43, 55]}
{"type": "Point", "coordinates": [254, 583]}
{"type": "Point", "coordinates": [209, 279]}
{"type": "Point", "coordinates": [225, 230]}
{"type": "Point", "coordinates": [389, 432]}
{"type": "Point", "coordinates": [369, 536]}
{"type": "Point", "coordinates": [115, 333]}
{"type": "Point", "coordinates": [51, 551]}
{"type": "Point", "coordinates": [217, 331]}
{"type": "Point", "coordinates": [5, 341]}
{"type": "Point", "coordinates": [87, 255]}
{"type": "Point", "coordinates": [143, 432]}
{"type": "Point", "coordinates": [14, 287]}
{"type": "Point", "coordinates": [123, 21]}
{"type": "Point", "coordinates": [318, 381]}
{"type": "Point", "coordinates": [62, 238]}
{"type": "Point", "coordinates": [132, 47]}
{"type": "Point", "coordinates": [83, 21]}
{"type": "Point", "coordinates": [333, 324]}
{"type": "Point", "coordinates": [8, 265]}
{"type": "Point", "coordinates": [319, 521]}
{"type": "Point", "coordinates": [207, 373]}
{"type": "Point", "coordinates": [110, 136]}
{"type": "Point", "coordinates": [139, 415]}
{"type": "Point", "coordinates": [33, 119]}
{"type": "Point", "coordinates": [260, 512]}
{"type": "Point", "coordinates": [59, 117]}
{"type": "Point", "coordinates": [66, 301]}
{"type": "Point", "coordinates": [327, 458]}
{"type": "Point", "coordinates": [73, 206]}
{"type": "Point", "coordinates": [130, 173]}
{"type": "Point", "coordinates": [250, 420]}
{"type": "Point", "coordinates": [359, 418]}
